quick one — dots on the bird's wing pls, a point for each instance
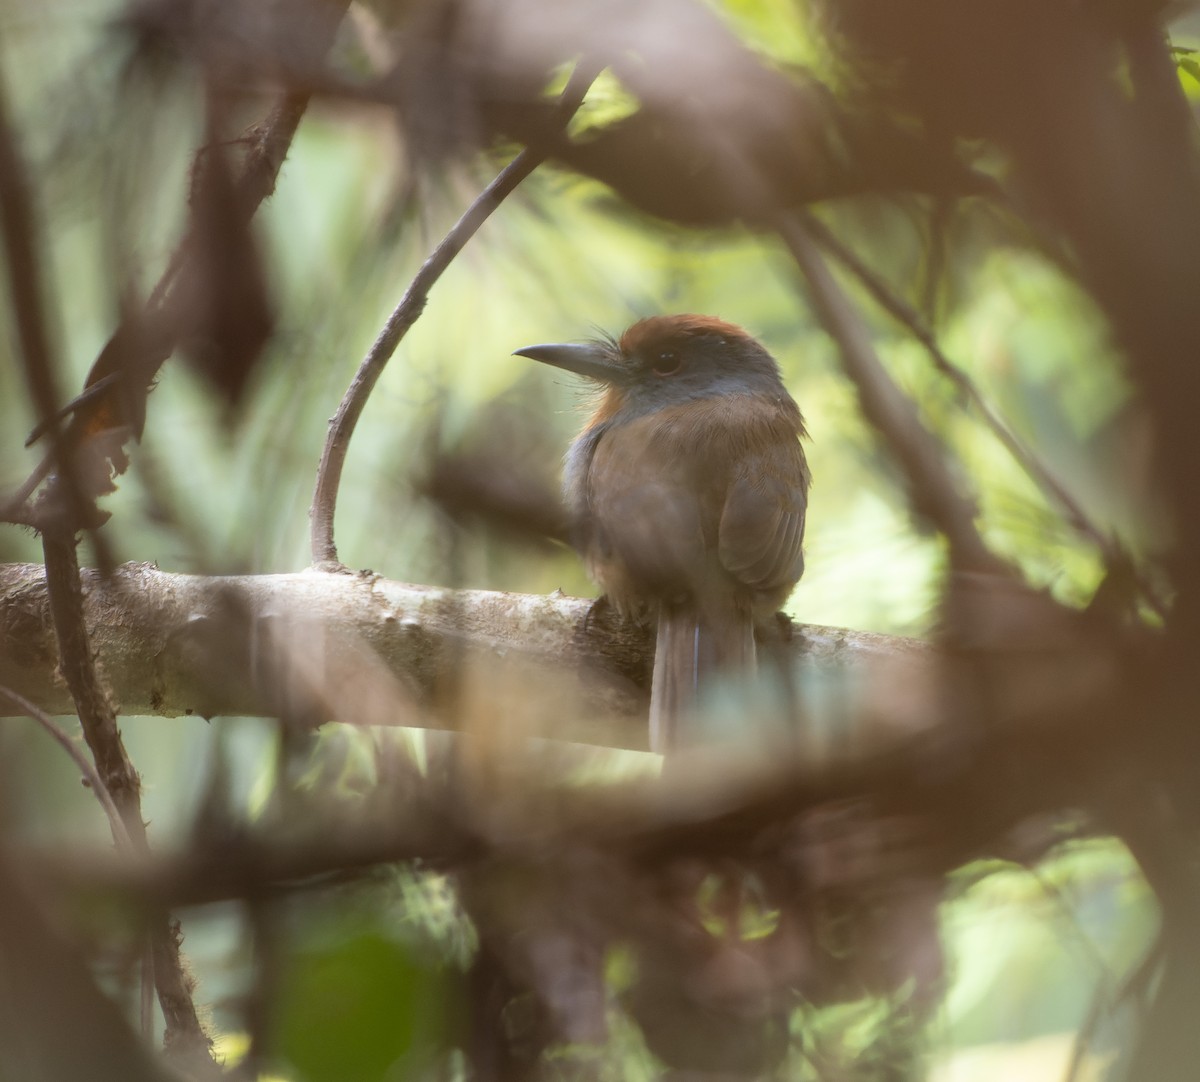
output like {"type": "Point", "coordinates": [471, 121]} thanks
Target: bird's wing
{"type": "Point", "coordinates": [761, 537]}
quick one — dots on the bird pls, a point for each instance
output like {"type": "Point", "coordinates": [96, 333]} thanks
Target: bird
{"type": "Point", "coordinates": [687, 492]}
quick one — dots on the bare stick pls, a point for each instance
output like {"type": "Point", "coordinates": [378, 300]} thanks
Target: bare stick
{"type": "Point", "coordinates": [116, 824]}
{"type": "Point", "coordinates": [932, 488]}
{"type": "Point", "coordinates": [1110, 549]}
{"type": "Point", "coordinates": [91, 778]}
{"type": "Point", "coordinates": [117, 773]}
{"type": "Point", "coordinates": [406, 313]}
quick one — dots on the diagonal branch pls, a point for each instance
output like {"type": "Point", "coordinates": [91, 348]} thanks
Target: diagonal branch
{"type": "Point", "coordinates": [114, 781]}
{"type": "Point", "coordinates": [184, 1033]}
{"type": "Point", "coordinates": [115, 389]}
{"type": "Point", "coordinates": [30, 316]}
{"type": "Point", "coordinates": [407, 312]}
{"type": "Point", "coordinates": [932, 488]}
{"type": "Point", "coordinates": [719, 807]}
{"type": "Point", "coordinates": [1111, 550]}
{"type": "Point", "coordinates": [93, 781]}
{"type": "Point", "coordinates": [90, 775]}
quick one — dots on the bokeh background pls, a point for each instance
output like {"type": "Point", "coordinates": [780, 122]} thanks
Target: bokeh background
{"type": "Point", "coordinates": [109, 121]}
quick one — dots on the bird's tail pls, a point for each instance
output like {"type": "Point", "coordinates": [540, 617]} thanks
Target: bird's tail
{"type": "Point", "coordinates": [693, 648]}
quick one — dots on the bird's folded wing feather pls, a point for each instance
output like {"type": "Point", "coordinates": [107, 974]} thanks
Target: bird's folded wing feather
{"type": "Point", "coordinates": [761, 539]}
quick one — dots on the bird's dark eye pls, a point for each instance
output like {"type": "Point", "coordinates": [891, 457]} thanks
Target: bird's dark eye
{"type": "Point", "coordinates": [666, 362]}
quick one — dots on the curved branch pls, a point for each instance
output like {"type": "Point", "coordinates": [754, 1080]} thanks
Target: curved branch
{"type": "Point", "coordinates": [406, 313]}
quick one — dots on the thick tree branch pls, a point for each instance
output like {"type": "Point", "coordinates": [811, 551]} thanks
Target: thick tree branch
{"type": "Point", "coordinates": [712, 113]}
{"type": "Point", "coordinates": [367, 650]}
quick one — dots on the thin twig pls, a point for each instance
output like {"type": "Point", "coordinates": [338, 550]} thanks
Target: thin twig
{"type": "Point", "coordinates": [90, 776]}
{"type": "Point", "coordinates": [932, 488]}
{"type": "Point", "coordinates": [148, 983]}
{"type": "Point", "coordinates": [935, 254]}
{"type": "Point", "coordinates": [1086, 1033]}
{"type": "Point", "coordinates": [407, 312]}
{"type": "Point", "coordinates": [1110, 549]}
{"type": "Point", "coordinates": [1105, 1000]}
{"type": "Point", "coordinates": [86, 397]}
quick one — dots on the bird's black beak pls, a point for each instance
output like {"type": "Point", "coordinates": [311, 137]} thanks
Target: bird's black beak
{"type": "Point", "coordinates": [594, 360]}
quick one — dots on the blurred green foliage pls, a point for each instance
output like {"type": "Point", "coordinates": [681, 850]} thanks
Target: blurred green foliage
{"type": "Point", "coordinates": [357, 1009]}
{"type": "Point", "coordinates": [350, 222]}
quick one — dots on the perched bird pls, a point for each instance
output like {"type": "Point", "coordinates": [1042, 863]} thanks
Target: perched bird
{"type": "Point", "coordinates": [687, 491]}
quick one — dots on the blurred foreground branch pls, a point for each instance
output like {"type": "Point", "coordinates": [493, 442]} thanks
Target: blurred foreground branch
{"type": "Point", "coordinates": [111, 408]}
{"type": "Point", "coordinates": [864, 836]}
